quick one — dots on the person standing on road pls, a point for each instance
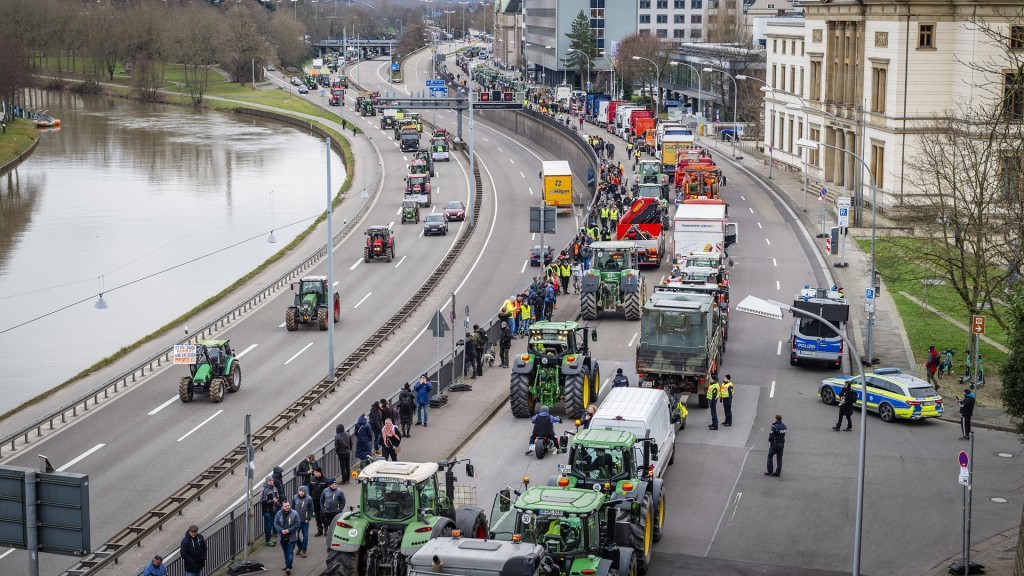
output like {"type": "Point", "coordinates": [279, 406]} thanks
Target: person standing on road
{"type": "Point", "coordinates": [549, 301]}
{"type": "Point", "coordinates": [776, 444]}
{"type": "Point", "coordinates": [565, 271]}
{"type": "Point", "coordinates": [714, 393]}
{"type": "Point", "coordinates": [343, 447]}
{"type": "Point", "coordinates": [727, 391]}
{"type": "Point", "coordinates": [305, 469]}
{"type": "Point", "coordinates": [406, 408]}
{"type": "Point", "coordinates": [318, 483]}
{"type": "Point", "coordinates": [470, 352]}
{"type": "Point", "coordinates": [332, 501]}
{"type": "Point", "coordinates": [505, 343]}
{"type": "Point", "coordinates": [376, 420]}
{"type": "Point", "coordinates": [302, 504]}
{"type": "Point", "coordinates": [423, 390]}
{"type": "Point", "coordinates": [269, 499]}
{"type": "Point", "coordinates": [932, 366]}
{"type": "Point", "coordinates": [278, 474]}
{"type": "Point", "coordinates": [620, 380]}
{"type": "Point", "coordinates": [364, 441]}
{"type": "Point", "coordinates": [286, 522]}
{"type": "Point", "coordinates": [847, 399]}
{"type": "Point", "coordinates": [588, 416]}
{"type": "Point", "coordinates": [527, 312]}
{"type": "Point", "coordinates": [966, 411]}
{"type": "Point", "coordinates": [193, 551]}
{"type": "Point", "coordinates": [391, 441]}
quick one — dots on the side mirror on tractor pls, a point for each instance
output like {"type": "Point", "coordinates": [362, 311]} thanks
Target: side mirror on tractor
{"type": "Point", "coordinates": [469, 469]}
{"type": "Point", "coordinates": [593, 334]}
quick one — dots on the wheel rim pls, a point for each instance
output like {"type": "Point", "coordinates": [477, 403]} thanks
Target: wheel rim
{"type": "Point", "coordinates": [886, 412]}
{"type": "Point", "coordinates": [586, 391]}
{"type": "Point", "coordinates": [647, 534]}
{"type": "Point", "coordinates": [827, 396]}
{"type": "Point", "coordinates": [661, 511]}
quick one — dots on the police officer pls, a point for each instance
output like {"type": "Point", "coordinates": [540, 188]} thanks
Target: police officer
{"type": "Point", "coordinates": [728, 390]}
{"type": "Point", "coordinates": [714, 392]}
{"type": "Point", "coordinates": [620, 380]}
{"type": "Point", "coordinates": [776, 444]}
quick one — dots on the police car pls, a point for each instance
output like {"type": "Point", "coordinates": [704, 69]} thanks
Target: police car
{"type": "Point", "coordinates": [891, 394]}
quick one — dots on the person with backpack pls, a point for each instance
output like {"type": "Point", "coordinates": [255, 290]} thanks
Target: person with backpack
{"type": "Point", "coordinates": [376, 421]}
{"type": "Point", "coordinates": [406, 408]}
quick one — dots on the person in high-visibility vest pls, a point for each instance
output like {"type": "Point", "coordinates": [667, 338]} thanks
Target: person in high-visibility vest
{"type": "Point", "coordinates": [526, 312]}
{"type": "Point", "coordinates": [565, 272]}
{"type": "Point", "coordinates": [613, 215]}
{"type": "Point", "coordinates": [714, 392]}
{"type": "Point", "coordinates": [604, 216]}
{"type": "Point", "coordinates": [728, 391]}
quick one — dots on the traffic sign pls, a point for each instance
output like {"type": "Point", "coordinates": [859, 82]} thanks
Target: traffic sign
{"type": "Point", "coordinates": [438, 326]}
{"type": "Point", "coordinates": [435, 83]}
{"type": "Point", "coordinates": [965, 477]}
{"type": "Point", "coordinates": [828, 244]}
{"type": "Point", "coordinates": [441, 92]}
{"type": "Point", "coordinates": [963, 459]}
{"type": "Point", "coordinates": [978, 324]}
{"type": "Point", "coordinates": [824, 192]}
{"type": "Point", "coordinates": [869, 293]}
{"type": "Point", "coordinates": [395, 66]}
{"type": "Point", "coordinates": [844, 217]}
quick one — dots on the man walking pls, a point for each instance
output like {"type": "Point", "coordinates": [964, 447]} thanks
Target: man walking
{"type": "Point", "coordinates": [505, 343]}
{"type": "Point", "coordinates": [620, 380]}
{"type": "Point", "coordinates": [343, 447]}
{"type": "Point", "coordinates": [286, 522]}
{"type": "Point", "coordinates": [714, 392]}
{"type": "Point", "coordinates": [193, 551]}
{"type": "Point", "coordinates": [932, 366]}
{"type": "Point", "coordinates": [847, 398]}
{"type": "Point", "coordinates": [727, 391]}
{"type": "Point", "coordinates": [776, 444]}
{"type": "Point", "coordinates": [966, 411]}
{"type": "Point", "coordinates": [302, 504]}
{"type": "Point", "coordinates": [423, 390]}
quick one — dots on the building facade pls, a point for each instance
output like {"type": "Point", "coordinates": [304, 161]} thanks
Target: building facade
{"type": "Point", "coordinates": [873, 76]}
{"type": "Point", "coordinates": [508, 32]}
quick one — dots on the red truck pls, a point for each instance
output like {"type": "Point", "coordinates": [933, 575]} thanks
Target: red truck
{"type": "Point", "coordinates": [643, 224]}
{"type": "Point", "coordinates": [610, 120]}
{"type": "Point", "coordinates": [640, 123]}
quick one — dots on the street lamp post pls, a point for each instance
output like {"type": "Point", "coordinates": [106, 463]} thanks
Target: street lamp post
{"type": "Point", "coordinates": [735, 105]}
{"type": "Point", "coordinates": [869, 339]}
{"type": "Point", "coordinates": [771, 145]}
{"type": "Point", "coordinates": [699, 86]}
{"type": "Point", "coordinates": [463, 20]}
{"type": "Point", "coordinates": [803, 106]}
{"type": "Point", "coordinates": [657, 72]}
{"type": "Point", "coordinates": [768, 309]}
{"type": "Point", "coordinates": [585, 86]}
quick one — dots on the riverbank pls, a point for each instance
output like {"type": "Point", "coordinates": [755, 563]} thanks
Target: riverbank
{"type": "Point", "coordinates": [16, 143]}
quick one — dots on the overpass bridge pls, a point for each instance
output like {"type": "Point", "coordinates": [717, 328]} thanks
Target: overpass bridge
{"type": "Point", "coordinates": [367, 46]}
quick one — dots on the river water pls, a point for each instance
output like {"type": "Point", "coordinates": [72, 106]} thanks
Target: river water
{"type": "Point", "coordinates": [118, 200]}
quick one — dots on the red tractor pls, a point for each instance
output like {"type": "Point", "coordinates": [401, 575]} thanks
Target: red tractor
{"type": "Point", "coordinates": [379, 244]}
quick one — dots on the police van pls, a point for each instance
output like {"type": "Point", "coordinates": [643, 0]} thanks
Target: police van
{"type": "Point", "coordinates": [811, 340]}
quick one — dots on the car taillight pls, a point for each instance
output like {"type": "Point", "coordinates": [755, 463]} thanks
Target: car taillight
{"type": "Point", "coordinates": [588, 572]}
{"type": "Point", "coordinates": [914, 402]}
{"type": "Point", "coordinates": [938, 399]}
{"type": "Point", "coordinates": [700, 380]}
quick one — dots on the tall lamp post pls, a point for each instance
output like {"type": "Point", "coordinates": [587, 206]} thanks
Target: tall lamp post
{"type": "Point", "coordinates": [657, 72]}
{"type": "Point", "coordinates": [771, 145]}
{"type": "Point", "coordinates": [463, 20]}
{"type": "Point", "coordinates": [700, 92]}
{"type": "Point", "coordinates": [735, 105]}
{"type": "Point", "coordinates": [769, 309]}
{"type": "Point", "coordinates": [585, 86]}
{"type": "Point", "coordinates": [869, 340]}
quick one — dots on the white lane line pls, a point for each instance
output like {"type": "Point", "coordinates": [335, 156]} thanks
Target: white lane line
{"type": "Point", "coordinates": [421, 234]}
{"type": "Point", "coordinates": [363, 300]}
{"type": "Point", "coordinates": [335, 285]}
{"type": "Point", "coordinates": [485, 139]}
{"type": "Point", "coordinates": [759, 226]}
{"type": "Point", "coordinates": [521, 174]}
{"type": "Point", "coordinates": [735, 506]}
{"type": "Point", "coordinates": [768, 241]}
{"type": "Point", "coordinates": [437, 191]}
{"type": "Point", "coordinates": [404, 157]}
{"type": "Point", "coordinates": [391, 224]}
{"type": "Point", "coordinates": [778, 351]}
{"type": "Point", "coordinates": [777, 285]}
{"type": "Point", "coordinates": [751, 210]}
{"type": "Point", "coordinates": [162, 406]}
{"type": "Point", "coordinates": [533, 236]}
{"type": "Point", "coordinates": [353, 267]}
{"type": "Point", "coordinates": [215, 414]}
{"type": "Point", "coordinates": [525, 263]}
{"type": "Point", "coordinates": [400, 261]}
{"type": "Point", "coordinates": [433, 208]}
{"type": "Point", "coordinates": [500, 150]}
{"type": "Point", "coordinates": [531, 191]}
{"type": "Point", "coordinates": [249, 349]}
{"type": "Point", "coordinates": [744, 198]}
{"type": "Point", "coordinates": [633, 339]}
{"type": "Point", "coordinates": [299, 352]}
{"type": "Point", "coordinates": [771, 393]}
{"type": "Point", "coordinates": [774, 263]}
{"type": "Point", "coordinates": [281, 325]}
{"type": "Point", "coordinates": [80, 458]}
{"type": "Point", "coordinates": [5, 554]}
{"type": "Point", "coordinates": [511, 160]}
{"type": "Point", "coordinates": [399, 212]}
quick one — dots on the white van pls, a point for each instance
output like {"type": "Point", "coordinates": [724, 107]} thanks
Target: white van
{"type": "Point", "coordinates": [645, 412]}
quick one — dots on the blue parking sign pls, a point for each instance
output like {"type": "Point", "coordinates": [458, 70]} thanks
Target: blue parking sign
{"type": "Point", "coordinates": [869, 293]}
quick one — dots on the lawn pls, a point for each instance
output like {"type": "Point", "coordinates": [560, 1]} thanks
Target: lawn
{"type": "Point", "coordinates": [19, 137]}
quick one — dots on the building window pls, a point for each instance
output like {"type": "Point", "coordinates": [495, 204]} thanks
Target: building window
{"type": "Point", "coordinates": [597, 13]}
{"type": "Point", "coordinates": [662, 18]}
{"type": "Point", "coordinates": [662, 4]}
{"type": "Point", "coordinates": [775, 46]}
{"type": "Point", "coordinates": [696, 4]}
{"type": "Point", "coordinates": [645, 18]}
{"type": "Point", "coordinates": [645, 4]}
{"type": "Point", "coordinates": [799, 134]}
{"type": "Point", "coordinates": [679, 19]}
{"type": "Point", "coordinates": [679, 34]}
{"type": "Point", "coordinates": [1011, 180]}
{"type": "Point", "coordinates": [645, 31]}
{"type": "Point", "coordinates": [791, 133]}
{"type": "Point", "coordinates": [926, 36]}
{"type": "Point", "coordinates": [878, 87]}
{"type": "Point", "coordinates": [792, 79]}
{"type": "Point", "coordinates": [662, 33]}
{"type": "Point", "coordinates": [1013, 96]}
{"type": "Point", "coordinates": [775, 76]}
{"type": "Point", "coordinates": [696, 33]}
{"type": "Point", "coordinates": [813, 155]}
{"type": "Point", "coordinates": [679, 4]}
{"type": "Point", "coordinates": [815, 79]}
{"type": "Point", "coordinates": [792, 47]}
{"type": "Point", "coordinates": [801, 47]}
{"type": "Point", "coordinates": [696, 19]}
{"type": "Point", "coordinates": [1017, 37]}
{"type": "Point", "coordinates": [800, 88]}
{"type": "Point", "coordinates": [878, 163]}
{"type": "Point", "coordinates": [783, 46]}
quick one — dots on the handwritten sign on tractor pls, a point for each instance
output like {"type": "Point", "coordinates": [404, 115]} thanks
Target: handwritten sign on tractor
{"type": "Point", "coordinates": [184, 354]}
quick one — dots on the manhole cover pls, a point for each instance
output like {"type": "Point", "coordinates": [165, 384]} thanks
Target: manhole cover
{"type": "Point", "coordinates": [1004, 455]}
{"type": "Point", "coordinates": [999, 500]}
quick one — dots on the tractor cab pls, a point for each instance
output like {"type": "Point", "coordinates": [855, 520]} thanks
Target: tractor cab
{"type": "Point", "coordinates": [379, 243]}
{"type": "Point", "coordinates": [550, 342]}
{"type": "Point", "coordinates": [310, 303]}
{"type": "Point", "coordinates": [419, 166]}
{"type": "Point", "coordinates": [410, 211]}
{"type": "Point", "coordinates": [614, 257]}
{"type": "Point", "coordinates": [427, 158]}
{"type": "Point", "coordinates": [214, 372]}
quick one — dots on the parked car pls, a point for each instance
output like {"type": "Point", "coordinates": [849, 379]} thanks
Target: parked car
{"type": "Point", "coordinates": [435, 224]}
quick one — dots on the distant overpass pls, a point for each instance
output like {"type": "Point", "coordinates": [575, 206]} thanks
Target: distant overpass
{"type": "Point", "coordinates": [367, 45]}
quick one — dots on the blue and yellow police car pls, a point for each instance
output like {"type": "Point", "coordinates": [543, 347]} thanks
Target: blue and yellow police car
{"type": "Point", "coordinates": [891, 394]}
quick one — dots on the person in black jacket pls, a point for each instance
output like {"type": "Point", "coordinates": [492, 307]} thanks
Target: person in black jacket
{"type": "Point", "coordinates": [193, 551]}
{"type": "Point", "coordinates": [505, 343]}
{"type": "Point", "coordinates": [376, 420]}
{"type": "Point", "coordinates": [343, 447]}
{"type": "Point", "coordinates": [317, 484]}
{"type": "Point", "coordinates": [278, 474]}
{"type": "Point", "coordinates": [966, 411]}
{"type": "Point", "coordinates": [847, 398]}
{"type": "Point", "coordinates": [406, 409]}
{"type": "Point", "coordinates": [776, 444]}
{"type": "Point", "coordinates": [270, 499]}
{"type": "Point", "coordinates": [305, 470]}
{"type": "Point", "coordinates": [469, 363]}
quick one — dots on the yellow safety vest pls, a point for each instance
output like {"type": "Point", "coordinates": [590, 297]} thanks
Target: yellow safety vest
{"type": "Point", "coordinates": [604, 212]}
{"type": "Point", "coordinates": [565, 270]}
{"type": "Point", "coordinates": [714, 391]}
{"type": "Point", "coordinates": [509, 307]}
{"type": "Point", "coordinates": [525, 311]}
{"type": "Point", "coordinates": [727, 389]}
{"type": "Point", "coordinates": [614, 214]}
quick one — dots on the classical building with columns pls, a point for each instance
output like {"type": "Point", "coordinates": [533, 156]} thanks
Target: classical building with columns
{"type": "Point", "coordinates": [867, 77]}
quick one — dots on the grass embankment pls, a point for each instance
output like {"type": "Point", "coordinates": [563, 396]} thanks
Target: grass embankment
{"type": "Point", "coordinates": [926, 328]}
{"type": "Point", "coordinates": [20, 136]}
{"type": "Point", "coordinates": [276, 98]}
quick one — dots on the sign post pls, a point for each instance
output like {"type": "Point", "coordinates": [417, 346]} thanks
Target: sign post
{"type": "Point", "coordinates": [438, 327]}
{"type": "Point", "coordinates": [977, 329]}
{"type": "Point", "coordinates": [821, 203]}
{"type": "Point", "coordinates": [869, 299]}
{"type": "Point", "coordinates": [843, 221]}
{"type": "Point", "coordinates": [966, 461]}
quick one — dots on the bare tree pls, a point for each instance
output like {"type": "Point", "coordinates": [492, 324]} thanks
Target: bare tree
{"type": "Point", "coordinates": [15, 73]}
{"type": "Point", "coordinates": [105, 39]}
{"type": "Point", "coordinates": [243, 44]}
{"type": "Point", "coordinates": [196, 33]}
{"type": "Point", "coordinates": [412, 38]}
{"type": "Point", "coordinates": [145, 47]}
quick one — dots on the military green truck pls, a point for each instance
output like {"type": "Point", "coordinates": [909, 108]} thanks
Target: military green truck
{"type": "Point", "coordinates": [556, 366]}
{"type": "Point", "coordinates": [613, 281]}
{"type": "Point", "coordinates": [582, 533]}
{"type": "Point", "coordinates": [682, 341]}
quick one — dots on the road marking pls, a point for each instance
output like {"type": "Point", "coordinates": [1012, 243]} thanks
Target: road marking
{"type": "Point", "coordinates": [759, 226]}
{"type": "Point", "coordinates": [735, 505]}
{"type": "Point", "coordinates": [80, 458]}
{"type": "Point", "coordinates": [774, 263]}
{"type": "Point", "coordinates": [335, 285]}
{"type": "Point", "coordinates": [521, 174]}
{"type": "Point", "coordinates": [215, 414]}
{"type": "Point", "coordinates": [778, 351]}
{"type": "Point", "coordinates": [404, 157]}
{"type": "Point", "coordinates": [768, 241]}
{"type": "Point", "coordinates": [281, 325]}
{"type": "Point", "coordinates": [525, 262]}
{"type": "Point", "coordinates": [297, 353]}
{"type": "Point", "coordinates": [633, 339]}
{"type": "Point", "coordinates": [433, 208]}
{"type": "Point", "coordinates": [421, 234]}
{"type": "Point", "coordinates": [511, 160]}
{"type": "Point", "coordinates": [531, 191]}
{"type": "Point", "coordinates": [251, 346]}
{"type": "Point", "coordinates": [399, 212]}
{"type": "Point", "coordinates": [485, 139]}
{"type": "Point", "coordinates": [162, 406]}
{"type": "Point", "coordinates": [533, 236]}
{"type": "Point", "coordinates": [777, 285]}
{"type": "Point", "coordinates": [353, 267]}
{"type": "Point", "coordinates": [391, 224]}
{"type": "Point", "coordinates": [744, 198]}
{"type": "Point", "coordinates": [363, 300]}
{"type": "Point", "coordinates": [500, 150]}
{"type": "Point", "coordinates": [5, 554]}
{"type": "Point", "coordinates": [771, 393]}
{"type": "Point", "coordinates": [400, 261]}
{"type": "Point", "coordinates": [751, 210]}
{"type": "Point", "coordinates": [437, 191]}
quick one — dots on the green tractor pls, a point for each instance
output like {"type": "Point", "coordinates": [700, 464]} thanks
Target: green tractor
{"type": "Point", "coordinates": [556, 366]}
{"type": "Point", "coordinates": [582, 532]}
{"type": "Point", "coordinates": [612, 281]}
{"type": "Point", "coordinates": [427, 158]}
{"type": "Point", "coordinates": [311, 304]}
{"type": "Point", "coordinates": [401, 507]}
{"type": "Point", "coordinates": [618, 464]}
{"type": "Point", "coordinates": [214, 371]}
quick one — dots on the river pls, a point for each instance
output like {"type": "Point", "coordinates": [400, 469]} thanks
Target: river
{"type": "Point", "coordinates": [119, 200]}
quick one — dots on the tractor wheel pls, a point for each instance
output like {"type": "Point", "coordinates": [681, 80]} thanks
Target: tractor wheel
{"type": "Point", "coordinates": [216, 390]}
{"type": "Point", "coordinates": [321, 317]}
{"type": "Point", "coordinates": [659, 516]}
{"type": "Point", "coordinates": [575, 387]}
{"type": "Point", "coordinates": [185, 389]}
{"type": "Point", "coordinates": [641, 533]}
{"type": "Point", "coordinates": [337, 307]}
{"type": "Point", "coordinates": [366, 254]}
{"type": "Point", "coordinates": [629, 570]}
{"type": "Point", "coordinates": [519, 397]}
{"type": "Point", "coordinates": [472, 522]}
{"type": "Point", "coordinates": [631, 305]}
{"type": "Point", "coordinates": [595, 384]}
{"type": "Point", "coordinates": [234, 380]}
{"type": "Point", "coordinates": [341, 563]}
{"type": "Point", "coordinates": [290, 321]}
{"type": "Point", "coordinates": [391, 254]}
{"type": "Point", "coordinates": [588, 306]}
